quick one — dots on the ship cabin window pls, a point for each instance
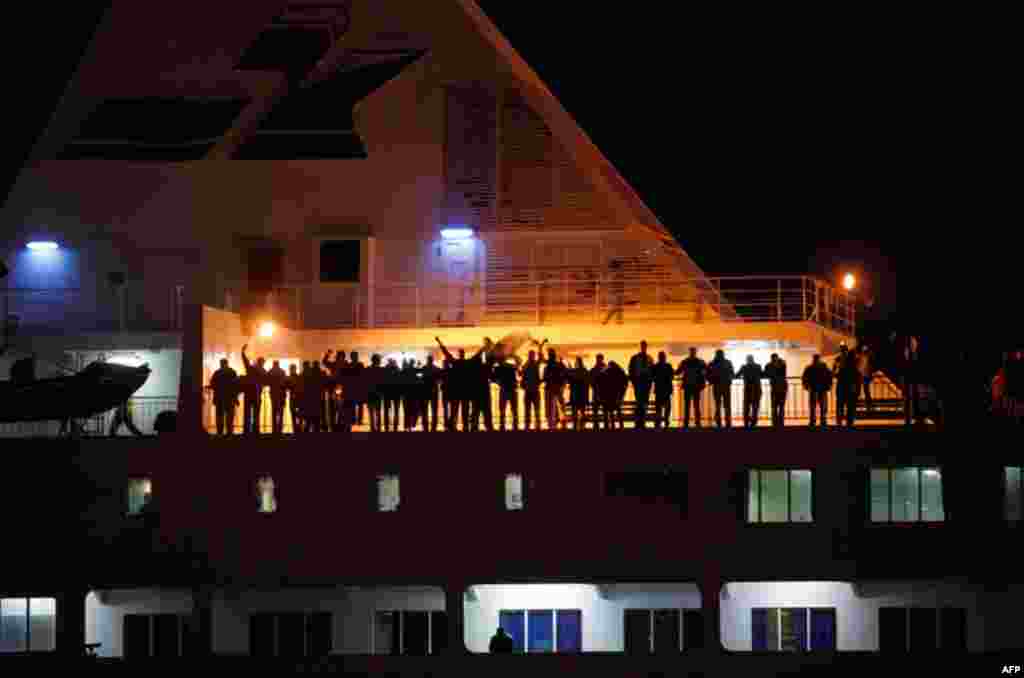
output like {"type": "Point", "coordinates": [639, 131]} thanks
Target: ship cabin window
{"type": "Point", "coordinates": [140, 493]}
{"type": "Point", "coordinates": [340, 261]}
{"type": "Point", "coordinates": [779, 496]}
{"type": "Point", "coordinates": [265, 495]}
{"type": "Point", "coordinates": [388, 495]}
{"type": "Point", "coordinates": [514, 498]}
{"type": "Point", "coordinates": [906, 495]}
{"type": "Point", "coordinates": [28, 624]}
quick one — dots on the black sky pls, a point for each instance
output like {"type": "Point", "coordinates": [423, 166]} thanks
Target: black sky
{"type": "Point", "coordinates": [802, 140]}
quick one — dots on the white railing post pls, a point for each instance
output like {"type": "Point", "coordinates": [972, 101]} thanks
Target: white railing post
{"type": "Point", "coordinates": [778, 301]}
{"type": "Point", "coordinates": [803, 298]}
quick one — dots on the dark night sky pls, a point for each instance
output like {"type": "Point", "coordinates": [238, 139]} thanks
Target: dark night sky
{"type": "Point", "coordinates": [792, 141]}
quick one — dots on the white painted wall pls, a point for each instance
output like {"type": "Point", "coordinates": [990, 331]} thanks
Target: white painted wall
{"type": "Point", "coordinates": [856, 616]}
{"type": "Point", "coordinates": [602, 611]}
{"type": "Point", "coordinates": [105, 611]}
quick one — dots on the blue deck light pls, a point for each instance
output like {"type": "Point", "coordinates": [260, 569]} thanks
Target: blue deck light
{"type": "Point", "coordinates": [456, 233]}
{"type": "Point", "coordinates": [43, 245]}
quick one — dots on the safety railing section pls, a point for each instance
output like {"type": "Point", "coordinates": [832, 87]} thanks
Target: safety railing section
{"type": "Point", "coordinates": [558, 297]}
{"type": "Point", "coordinates": [137, 419]}
{"type": "Point", "coordinates": [130, 308]}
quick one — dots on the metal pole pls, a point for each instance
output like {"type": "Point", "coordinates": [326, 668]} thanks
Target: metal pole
{"type": "Point", "coordinates": [779, 301]}
{"type": "Point", "coordinates": [907, 386]}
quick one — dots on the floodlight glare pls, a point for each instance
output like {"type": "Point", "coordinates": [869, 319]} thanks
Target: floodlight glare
{"type": "Point", "coordinates": [267, 330]}
{"type": "Point", "coordinates": [456, 233]}
{"type": "Point", "coordinates": [849, 282]}
{"type": "Point", "coordinates": [42, 245]}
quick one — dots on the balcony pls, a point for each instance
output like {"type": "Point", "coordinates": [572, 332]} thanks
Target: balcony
{"type": "Point", "coordinates": [546, 297]}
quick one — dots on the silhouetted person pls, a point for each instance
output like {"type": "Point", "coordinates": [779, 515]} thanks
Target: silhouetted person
{"type": "Point", "coordinates": [848, 383]}
{"type": "Point", "coordinates": [613, 385]}
{"type": "Point", "coordinates": [817, 381]}
{"type": "Point", "coordinates": [333, 369]}
{"type": "Point", "coordinates": [721, 375]}
{"type": "Point", "coordinates": [460, 384]}
{"type": "Point", "coordinates": [447, 404]}
{"type": "Point", "coordinates": [375, 398]}
{"type": "Point", "coordinates": [664, 384]}
{"type": "Point", "coordinates": [579, 393]}
{"type": "Point", "coordinates": [867, 373]}
{"type": "Point", "coordinates": [252, 390]}
{"type": "Point", "coordinates": [695, 379]}
{"type": "Point", "coordinates": [506, 376]}
{"type": "Point", "coordinates": [293, 385]}
{"type": "Point", "coordinates": [554, 387]}
{"type": "Point", "coordinates": [775, 372]}
{"type": "Point", "coordinates": [751, 374]}
{"type": "Point", "coordinates": [313, 401]}
{"type": "Point", "coordinates": [390, 391]}
{"type": "Point", "coordinates": [357, 368]}
{"type": "Point", "coordinates": [531, 389]}
{"type": "Point", "coordinates": [501, 643]}
{"type": "Point", "coordinates": [597, 406]}
{"type": "Point", "coordinates": [430, 382]}
{"type": "Point", "coordinates": [123, 417]}
{"type": "Point", "coordinates": [409, 381]}
{"type": "Point", "coordinates": [641, 374]}
{"type": "Point", "coordinates": [480, 371]}
{"type": "Point", "coordinates": [276, 377]}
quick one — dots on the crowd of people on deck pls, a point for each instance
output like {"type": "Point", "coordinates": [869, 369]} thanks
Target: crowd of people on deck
{"type": "Point", "coordinates": [339, 391]}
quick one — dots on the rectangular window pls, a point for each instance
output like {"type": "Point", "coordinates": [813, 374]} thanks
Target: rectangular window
{"type": "Point", "coordinates": [906, 495]}
{"type": "Point", "coordinates": [140, 492]}
{"type": "Point", "coordinates": [792, 629]}
{"type": "Point", "coordinates": [291, 634]}
{"type": "Point", "coordinates": [922, 629]}
{"type": "Point", "coordinates": [266, 499]}
{"type": "Point", "coordinates": [388, 496]}
{"type": "Point", "coordinates": [28, 624]}
{"type": "Point", "coordinates": [339, 261]}
{"type": "Point", "coordinates": [779, 496]}
{"type": "Point", "coordinates": [514, 492]}
{"type": "Point", "coordinates": [414, 633]}
{"type": "Point", "coordinates": [154, 635]}
{"type": "Point", "coordinates": [662, 631]}
{"type": "Point", "coordinates": [543, 630]}
{"type": "Point", "coordinates": [1013, 492]}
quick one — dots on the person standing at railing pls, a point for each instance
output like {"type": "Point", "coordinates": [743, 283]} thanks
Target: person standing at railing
{"type": "Point", "coordinates": [848, 383]}
{"type": "Point", "coordinates": [447, 405]}
{"type": "Point", "coordinates": [597, 406]}
{"type": "Point", "coordinates": [430, 379]}
{"type": "Point", "coordinates": [123, 417]}
{"type": "Point", "coordinates": [695, 374]}
{"type": "Point", "coordinates": [531, 389]}
{"type": "Point", "coordinates": [664, 384]}
{"type": "Point", "coordinates": [460, 383]}
{"type": "Point", "coordinates": [480, 372]}
{"type": "Point", "coordinates": [751, 373]}
{"type": "Point", "coordinates": [775, 372]}
{"type": "Point", "coordinates": [313, 398]}
{"type": "Point", "coordinates": [554, 387]}
{"type": "Point", "coordinates": [333, 369]}
{"type": "Point", "coordinates": [389, 391]}
{"type": "Point", "coordinates": [357, 368]}
{"type": "Point", "coordinates": [866, 370]}
{"type": "Point", "coordinates": [579, 393]}
{"type": "Point", "coordinates": [641, 374]}
{"type": "Point", "coordinates": [817, 381]}
{"type": "Point", "coordinates": [293, 386]}
{"type": "Point", "coordinates": [276, 377]}
{"type": "Point", "coordinates": [373, 381]}
{"type": "Point", "coordinates": [252, 390]}
{"type": "Point", "coordinates": [721, 374]}
{"type": "Point", "coordinates": [613, 385]}
{"type": "Point", "coordinates": [506, 376]}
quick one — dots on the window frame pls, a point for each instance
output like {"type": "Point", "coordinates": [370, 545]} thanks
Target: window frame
{"type": "Point", "coordinates": [432, 650]}
{"type": "Point", "coordinates": [1020, 489]}
{"type": "Point", "coordinates": [318, 244]}
{"type": "Point", "coordinates": [128, 497]}
{"type": "Point", "coordinates": [554, 627]}
{"type": "Point", "coordinates": [307, 616]}
{"type": "Point", "coordinates": [377, 492]}
{"type": "Point", "coordinates": [789, 522]}
{"type": "Point", "coordinates": [28, 623]}
{"type": "Point", "coordinates": [181, 619]}
{"type": "Point", "coordinates": [273, 495]}
{"type": "Point", "coordinates": [522, 492]}
{"type": "Point", "coordinates": [908, 623]}
{"type": "Point", "coordinates": [807, 631]}
{"type": "Point", "coordinates": [891, 469]}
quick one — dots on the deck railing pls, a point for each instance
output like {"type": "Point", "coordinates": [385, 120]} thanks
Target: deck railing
{"type": "Point", "coordinates": [561, 297]}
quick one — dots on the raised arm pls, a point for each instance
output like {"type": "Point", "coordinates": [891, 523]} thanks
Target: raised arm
{"type": "Point", "coordinates": [444, 349]}
{"type": "Point", "coordinates": [245, 359]}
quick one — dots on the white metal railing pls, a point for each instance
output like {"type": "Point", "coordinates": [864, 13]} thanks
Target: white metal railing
{"type": "Point", "coordinates": [143, 412]}
{"type": "Point", "coordinates": [565, 296]}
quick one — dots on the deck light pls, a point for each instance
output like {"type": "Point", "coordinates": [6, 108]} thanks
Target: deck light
{"type": "Point", "coordinates": [456, 233]}
{"type": "Point", "coordinates": [42, 245]}
{"type": "Point", "coordinates": [849, 282]}
{"type": "Point", "coordinates": [267, 330]}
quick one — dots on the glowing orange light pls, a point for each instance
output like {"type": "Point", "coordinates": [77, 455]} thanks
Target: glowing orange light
{"type": "Point", "coordinates": [849, 282]}
{"type": "Point", "coordinates": [267, 330]}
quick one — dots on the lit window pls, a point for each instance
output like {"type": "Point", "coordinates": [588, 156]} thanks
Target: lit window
{"type": "Point", "coordinates": [339, 261]}
{"type": "Point", "coordinates": [514, 492]}
{"type": "Point", "coordinates": [28, 624]}
{"type": "Point", "coordinates": [1014, 492]}
{"type": "Point", "coordinates": [140, 493]}
{"type": "Point", "coordinates": [543, 631]}
{"type": "Point", "coordinates": [792, 629]}
{"type": "Point", "coordinates": [388, 497]}
{"type": "Point", "coordinates": [265, 495]}
{"type": "Point", "coordinates": [906, 495]}
{"type": "Point", "coordinates": [779, 496]}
